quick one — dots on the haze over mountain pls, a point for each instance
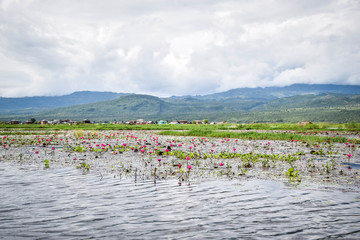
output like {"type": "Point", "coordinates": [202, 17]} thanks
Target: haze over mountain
{"type": "Point", "coordinates": [292, 103]}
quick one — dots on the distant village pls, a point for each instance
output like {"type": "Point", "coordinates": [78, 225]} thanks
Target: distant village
{"type": "Point", "coordinates": [132, 122]}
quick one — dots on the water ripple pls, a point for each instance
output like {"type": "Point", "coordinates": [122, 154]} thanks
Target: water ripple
{"type": "Point", "coordinates": [64, 204]}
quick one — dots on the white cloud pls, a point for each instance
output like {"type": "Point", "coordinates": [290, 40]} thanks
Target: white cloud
{"type": "Point", "coordinates": [168, 48]}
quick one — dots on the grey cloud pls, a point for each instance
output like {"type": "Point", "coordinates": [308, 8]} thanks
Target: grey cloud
{"type": "Point", "coordinates": [165, 47]}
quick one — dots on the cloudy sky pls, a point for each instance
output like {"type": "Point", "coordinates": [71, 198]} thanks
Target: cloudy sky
{"type": "Point", "coordinates": [175, 47]}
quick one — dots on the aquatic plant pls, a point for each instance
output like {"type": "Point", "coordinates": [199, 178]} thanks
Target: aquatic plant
{"type": "Point", "coordinates": [79, 133]}
{"type": "Point", "coordinates": [349, 156]}
{"type": "Point", "coordinates": [225, 157]}
{"type": "Point", "coordinates": [84, 166]}
{"type": "Point", "coordinates": [329, 165]}
{"type": "Point", "coordinates": [46, 163]}
{"type": "Point", "coordinates": [318, 152]}
{"type": "Point", "coordinates": [310, 165]}
{"type": "Point", "coordinates": [265, 162]}
{"type": "Point", "coordinates": [293, 174]}
{"type": "Point", "coordinates": [79, 149]}
{"type": "Point", "coordinates": [242, 171]}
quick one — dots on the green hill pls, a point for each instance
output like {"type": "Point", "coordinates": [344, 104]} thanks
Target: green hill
{"type": "Point", "coordinates": [29, 105]}
{"type": "Point", "coordinates": [236, 106]}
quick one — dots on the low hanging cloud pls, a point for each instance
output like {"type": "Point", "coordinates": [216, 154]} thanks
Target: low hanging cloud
{"type": "Point", "coordinates": [169, 48]}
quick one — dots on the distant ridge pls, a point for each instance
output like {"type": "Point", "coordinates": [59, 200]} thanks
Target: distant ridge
{"type": "Point", "coordinates": [41, 103]}
{"type": "Point", "coordinates": [298, 102]}
{"type": "Point", "coordinates": [268, 93]}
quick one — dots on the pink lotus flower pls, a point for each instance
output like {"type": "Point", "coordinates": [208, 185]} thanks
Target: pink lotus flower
{"type": "Point", "coordinates": [179, 165]}
{"type": "Point", "coordinates": [189, 167]}
{"type": "Point", "coordinates": [52, 148]}
{"type": "Point", "coordinates": [349, 155]}
{"type": "Point", "coordinates": [221, 164]}
{"type": "Point", "coordinates": [36, 152]}
{"type": "Point", "coordinates": [188, 158]}
{"type": "Point", "coordinates": [159, 159]}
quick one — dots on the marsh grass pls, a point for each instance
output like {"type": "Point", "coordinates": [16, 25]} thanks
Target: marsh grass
{"type": "Point", "coordinates": [322, 126]}
{"type": "Point", "coordinates": [225, 126]}
{"type": "Point", "coordinates": [251, 135]}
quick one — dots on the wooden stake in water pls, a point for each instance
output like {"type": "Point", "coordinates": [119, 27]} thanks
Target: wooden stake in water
{"type": "Point", "coordinates": [154, 175]}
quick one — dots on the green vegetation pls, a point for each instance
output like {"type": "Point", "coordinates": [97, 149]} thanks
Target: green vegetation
{"type": "Point", "coordinates": [19, 129]}
{"type": "Point", "coordinates": [293, 174]}
{"type": "Point", "coordinates": [46, 163]}
{"type": "Point", "coordinates": [259, 136]}
{"type": "Point", "coordinates": [84, 166]}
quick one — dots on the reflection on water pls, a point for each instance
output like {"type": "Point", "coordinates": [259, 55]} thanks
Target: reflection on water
{"type": "Point", "coordinates": [63, 204]}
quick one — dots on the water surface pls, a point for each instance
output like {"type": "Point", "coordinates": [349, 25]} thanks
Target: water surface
{"type": "Point", "coordinates": [65, 204]}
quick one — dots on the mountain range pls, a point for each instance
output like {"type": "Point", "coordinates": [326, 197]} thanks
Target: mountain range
{"type": "Point", "coordinates": [298, 102]}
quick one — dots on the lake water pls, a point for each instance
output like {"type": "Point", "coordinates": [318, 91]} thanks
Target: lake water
{"type": "Point", "coordinates": [65, 204]}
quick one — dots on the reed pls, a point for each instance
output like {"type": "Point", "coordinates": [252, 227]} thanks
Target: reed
{"type": "Point", "coordinates": [252, 135]}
